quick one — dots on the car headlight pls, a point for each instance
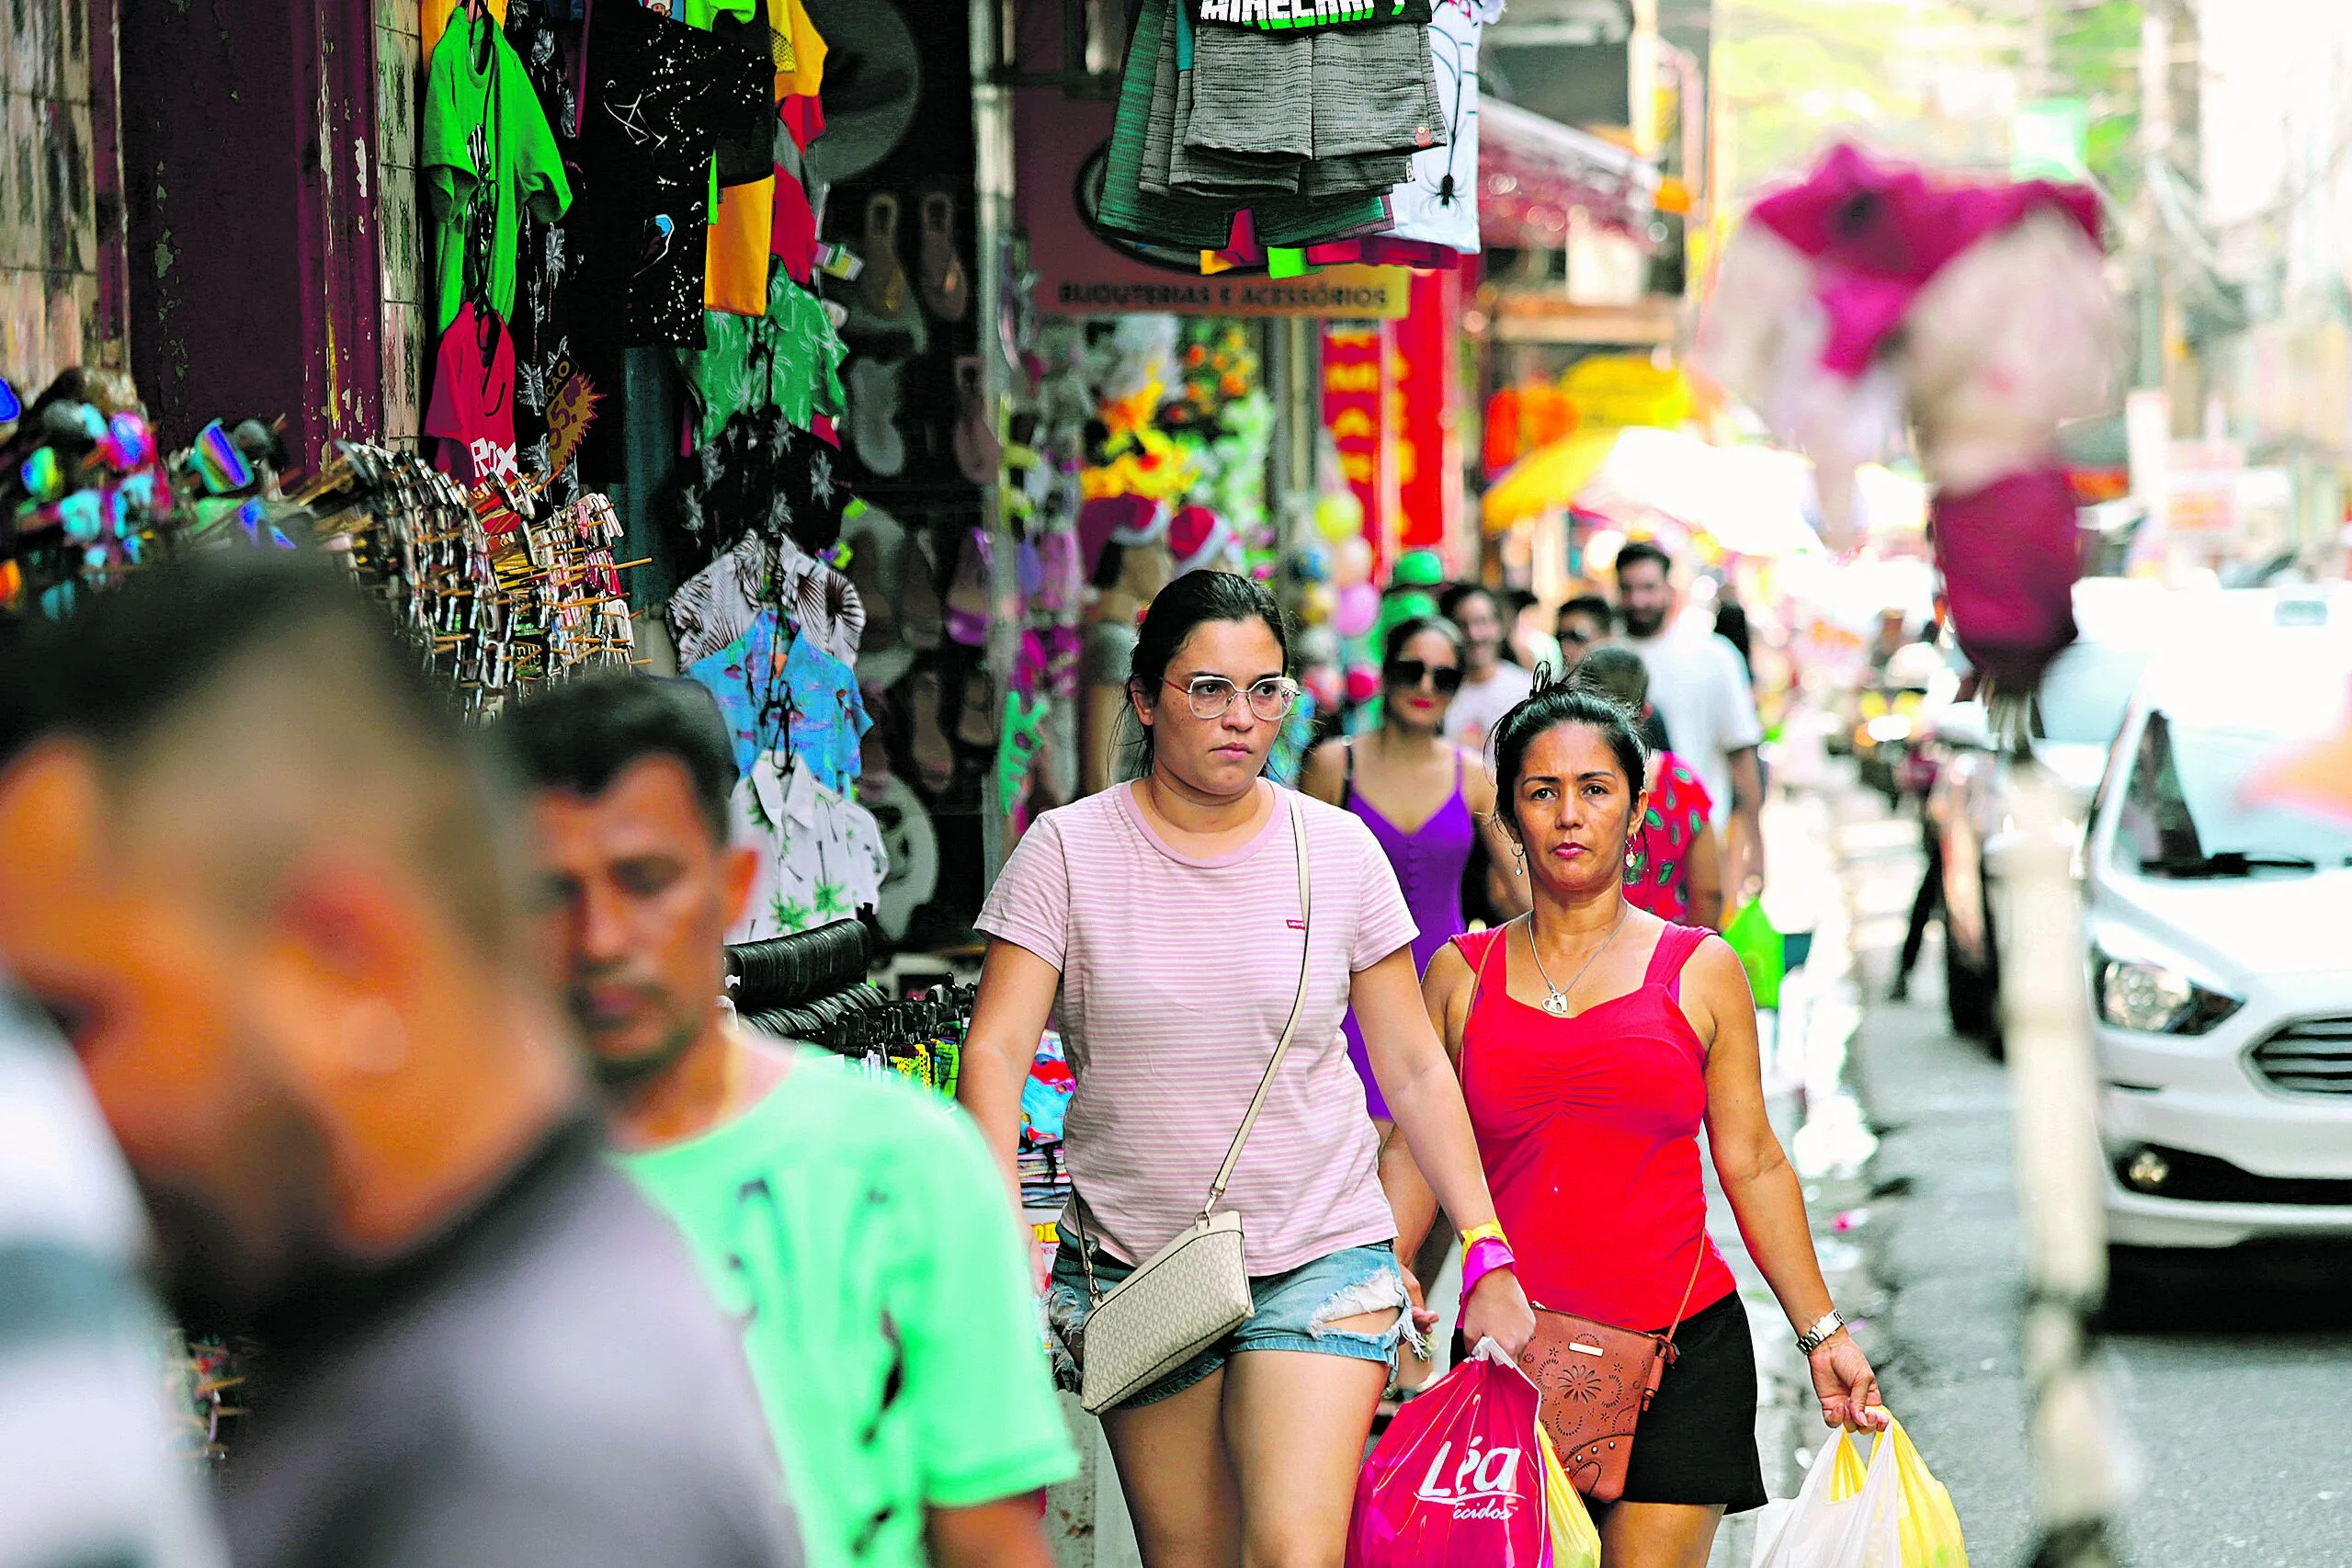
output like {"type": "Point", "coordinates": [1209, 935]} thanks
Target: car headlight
{"type": "Point", "coordinates": [2153, 997]}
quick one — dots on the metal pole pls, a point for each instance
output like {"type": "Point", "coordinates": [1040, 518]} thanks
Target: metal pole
{"type": "Point", "coordinates": [2155, 146]}
{"type": "Point", "coordinates": [992, 124]}
{"type": "Point", "coordinates": [2054, 1104]}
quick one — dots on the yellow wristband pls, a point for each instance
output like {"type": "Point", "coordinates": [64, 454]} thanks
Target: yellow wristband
{"type": "Point", "coordinates": [1492, 1230]}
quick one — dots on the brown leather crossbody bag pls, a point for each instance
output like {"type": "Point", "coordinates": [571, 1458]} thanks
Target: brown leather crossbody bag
{"type": "Point", "coordinates": [1595, 1380]}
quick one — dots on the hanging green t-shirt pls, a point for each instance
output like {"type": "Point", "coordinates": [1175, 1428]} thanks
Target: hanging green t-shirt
{"type": "Point", "coordinates": [486, 142]}
{"type": "Point", "coordinates": [860, 1230]}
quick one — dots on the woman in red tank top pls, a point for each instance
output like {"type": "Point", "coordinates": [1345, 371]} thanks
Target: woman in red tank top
{"type": "Point", "coordinates": [1594, 1040]}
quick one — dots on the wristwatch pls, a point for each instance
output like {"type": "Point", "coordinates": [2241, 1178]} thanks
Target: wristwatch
{"type": "Point", "coordinates": [1816, 1336]}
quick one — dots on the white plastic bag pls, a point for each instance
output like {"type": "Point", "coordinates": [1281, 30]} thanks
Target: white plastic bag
{"type": "Point", "coordinates": [1845, 1515]}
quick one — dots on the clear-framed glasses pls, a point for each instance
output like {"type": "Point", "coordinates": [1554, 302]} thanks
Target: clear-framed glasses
{"type": "Point", "coordinates": [1211, 697]}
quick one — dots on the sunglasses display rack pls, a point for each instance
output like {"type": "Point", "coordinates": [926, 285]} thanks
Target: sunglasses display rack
{"type": "Point", "coordinates": [506, 590]}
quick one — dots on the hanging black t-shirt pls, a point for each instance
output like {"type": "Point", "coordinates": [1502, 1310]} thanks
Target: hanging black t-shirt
{"type": "Point", "coordinates": [660, 95]}
{"type": "Point", "coordinates": [543, 258]}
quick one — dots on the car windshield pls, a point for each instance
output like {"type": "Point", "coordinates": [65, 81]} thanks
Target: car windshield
{"type": "Point", "coordinates": [2187, 810]}
{"type": "Point", "coordinates": [2084, 696]}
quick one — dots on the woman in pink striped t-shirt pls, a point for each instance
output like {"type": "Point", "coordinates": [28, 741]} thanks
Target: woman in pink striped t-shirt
{"type": "Point", "coordinates": [1162, 918]}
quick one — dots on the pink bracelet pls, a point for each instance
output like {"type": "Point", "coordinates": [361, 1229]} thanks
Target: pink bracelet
{"type": "Point", "coordinates": [1486, 1254]}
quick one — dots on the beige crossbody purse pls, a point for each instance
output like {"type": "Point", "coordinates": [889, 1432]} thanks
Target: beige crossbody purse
{"type": "Point", "coordinates": [1194, 1291]}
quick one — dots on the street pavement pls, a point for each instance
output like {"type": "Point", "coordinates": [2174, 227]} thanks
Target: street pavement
{"type": "Point", "coordinates": [2232, 1407]}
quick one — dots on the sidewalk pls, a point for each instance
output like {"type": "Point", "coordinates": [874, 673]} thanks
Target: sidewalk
{"type": "Point", "coordinates": [1945, 1236]}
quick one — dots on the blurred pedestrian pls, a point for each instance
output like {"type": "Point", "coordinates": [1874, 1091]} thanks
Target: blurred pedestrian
{"type": "Point", "coordinates": [1594, 1040]}
{"type": "Point", "coordinates": [1530, 644]}
{"type": "Point", "coordinates": [94, 1472]}
{"type": "Point", "coordinates": [252, 858]}
{"type": "Point", "coordinates": [1163, 920]}
{"type": "Point", "coordinates": [1701, 691]}
{"type": "Point", "coordinates": [1407, 772]}
{"type": "Point", "coordinates": [854, 1226]}
{"type": "Point", "coordinates": [1490, 685]}
{"type": "Point", "coordinates": [1731, 625]}
{"type": "Point", "coordinates": [1676, 872]}
{"type": "Point", "coordinates": [1586, 622]}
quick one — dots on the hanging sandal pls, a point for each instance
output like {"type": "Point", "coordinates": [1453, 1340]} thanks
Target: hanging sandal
{"type": "Point", "coordinates": [873, 414]}
{"type": "Point", "coordinates": [968, 594]}
{"type": "Point", "coordinates": [920, 613]}
{"type": "Point", "coordinates": [976, 725]}
{"type": "Point", "coordinates": [978, 452]}
{"type": "Point", "coordinates": [947, 293]}
{"type": "Point", "coordinates": [935, 760]}
{"type": "Point", "coordinates": [882, 286]}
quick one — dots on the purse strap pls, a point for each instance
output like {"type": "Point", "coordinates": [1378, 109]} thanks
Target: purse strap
{"type": "Point", "coordinates": [1290, 1029]}
{"type": "Point", "coordinates": [1258, 1100]}
{"type": "Point", "coordinates": [1696, 1264]}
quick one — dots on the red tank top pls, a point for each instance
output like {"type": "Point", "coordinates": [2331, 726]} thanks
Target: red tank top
{"type": "Point", "coordinates": [1588, 1128]}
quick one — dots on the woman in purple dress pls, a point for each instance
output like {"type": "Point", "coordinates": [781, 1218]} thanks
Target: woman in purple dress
{"type": "Point", "coordinates": [1427, 802]}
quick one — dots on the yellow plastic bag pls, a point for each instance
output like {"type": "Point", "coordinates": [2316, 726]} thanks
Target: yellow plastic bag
{"type": "Point", "coordinates": [1931, 1530]}
{"type": "Point", "coordinates": [1853, 1516]}
{"type": "Point", "coordinates": [1575, 1542]}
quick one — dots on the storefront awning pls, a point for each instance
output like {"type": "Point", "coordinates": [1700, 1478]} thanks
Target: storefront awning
{"type": "Point", "coordinates": [1532, 171]}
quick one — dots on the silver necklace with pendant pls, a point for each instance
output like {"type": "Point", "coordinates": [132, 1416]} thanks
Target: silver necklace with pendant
{"type": "Point", "coordinates": [1557, 1003]}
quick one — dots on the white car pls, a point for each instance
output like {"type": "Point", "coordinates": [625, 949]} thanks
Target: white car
{"type": "Point", "coordinates": [2071, 723]}
{"type": "Point", "coordinates": [2219, 922]}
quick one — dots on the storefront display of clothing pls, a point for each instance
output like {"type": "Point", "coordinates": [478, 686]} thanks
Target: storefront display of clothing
{"type": "Point", "coordinates": [1194, 147]}
{"type": "Point", "coordinates": [761, 472]}
{"type": "Point", "coordinates": [661, 96]}
{"type": "Point", "coordinates": [820, 853]}
{"type": "Point", "coordinates": [780, 691]}
{"type": "Point", "coordinates": [472, 412]}
{"type": "Point", "coordinates": [487, 154]}
{"type": "Point", "coordinates": [1437, 205]}
{"type": "Point", "coordinates": [788, 358]}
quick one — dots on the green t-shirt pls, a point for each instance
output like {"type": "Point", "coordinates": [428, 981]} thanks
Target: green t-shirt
{"type": "Point", "coordinates": [513, 162]}
{"type": "Point", "coordinates": [860, 1230]}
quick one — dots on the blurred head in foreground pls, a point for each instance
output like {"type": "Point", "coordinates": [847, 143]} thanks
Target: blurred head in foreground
{"type": "Point", "coordinates": [631, 778]}
{"type": "Point", "coordinates": [250, 862]}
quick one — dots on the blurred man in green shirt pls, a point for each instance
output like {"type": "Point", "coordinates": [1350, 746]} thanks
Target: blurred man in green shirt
{"type": "Point", "coordinates": [858, 1227]}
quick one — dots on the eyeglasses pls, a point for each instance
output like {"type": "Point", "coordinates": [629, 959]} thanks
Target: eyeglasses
{"type": "Point", "coordinates": [1447, 678]}
{"type": "Point", "coordinates": [1211, 697]}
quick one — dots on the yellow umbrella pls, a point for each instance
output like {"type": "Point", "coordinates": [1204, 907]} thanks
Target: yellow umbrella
{"type": "Point", "coordinates": [1547, 479]}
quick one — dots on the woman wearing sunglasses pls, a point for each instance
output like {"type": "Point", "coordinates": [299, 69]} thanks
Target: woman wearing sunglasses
{"type": "Point", "coordinates": [1427, 802]}
{"type": "Point", "coordinates": [1163, 920]}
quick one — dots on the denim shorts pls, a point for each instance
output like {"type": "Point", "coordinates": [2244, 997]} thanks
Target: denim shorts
{"type": "Point", "coordinates": [1293, 1311]}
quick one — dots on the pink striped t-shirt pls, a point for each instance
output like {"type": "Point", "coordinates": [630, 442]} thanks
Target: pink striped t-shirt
{"type": "Point", "coordinates": [1177, 974]}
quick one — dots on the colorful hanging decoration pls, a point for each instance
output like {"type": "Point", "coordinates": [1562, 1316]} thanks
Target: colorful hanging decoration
{"type": "Point", "coordinates": [1872, 293]}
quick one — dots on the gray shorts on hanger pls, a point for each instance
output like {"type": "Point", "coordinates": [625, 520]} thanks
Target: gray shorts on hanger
{"type": "Point", "coordinates": [1370, 92]}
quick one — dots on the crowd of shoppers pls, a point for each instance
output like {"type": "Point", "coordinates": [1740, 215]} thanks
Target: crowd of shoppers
{"type": "Point", "coordinates": [416, 1040]}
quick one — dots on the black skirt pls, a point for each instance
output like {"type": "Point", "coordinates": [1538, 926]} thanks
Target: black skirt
{"type": "Point", "coordinates": [1697, 1442]}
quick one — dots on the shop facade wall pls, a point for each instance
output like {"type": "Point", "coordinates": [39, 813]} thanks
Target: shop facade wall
{"type": "Point", "coordinates": [61, 267]}
{"type": "Point", "coordinates": [253, 170]}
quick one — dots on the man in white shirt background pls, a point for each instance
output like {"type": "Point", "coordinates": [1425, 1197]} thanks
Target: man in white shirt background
{"type": "Point", "coordinates": [1700, 687]}
{"type": "Point", "coordinates": [1491, 685]}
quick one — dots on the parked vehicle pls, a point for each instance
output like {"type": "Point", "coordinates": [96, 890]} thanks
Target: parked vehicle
{"type": "Point", "coordinates": [2216, 923]}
